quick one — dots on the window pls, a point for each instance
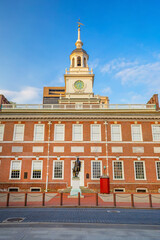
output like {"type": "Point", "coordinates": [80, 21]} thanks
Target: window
{"type": "Point", "coordinates": [118, 170]}
{"type": "Point", "coordinates": [36, 189]}
{"type": "Point", "coordinates": [77, 132]}
{"type": "Point", "coordinates": [116, 132]}
{"type": "Point", "coordinates": [18, 132]}
{"type": "Point", "coordinates": [141, 190]}
{"type": "Point", "coordinates": [15, 169]}
{"type": "Point", "coordinates": [158, 170]}
{"type": "Point", "coordinates": [96, 169]}
{"type": "Point", "coordinates": [58, 169]}
{"type": "Point", "coordinates": [78, 61]}
{"type": "Point", "coordinates": [139, 171]}
{"type": "Point", "coordinates": [95, 132]}
{"type": "Point", "coordinates": [37, 169]}
{"type": "Point", "coordinates": [136, 132]}
{"type": "Point", "coordinates": [156, 132]}
{"type": "Point", "coordinates": [1, 131]}
{"type": "Point", "coordinates": [59, 132]}
{"type": "Point", "coordinates": [14, 189]}
{"type": "Point", "coordinates": [85, 62]}
{"type": "Point", "coordinates": [39, 132]}
{"type": "Point", "coordinates": [119, 189]}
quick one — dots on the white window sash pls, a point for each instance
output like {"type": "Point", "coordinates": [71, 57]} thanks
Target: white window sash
{"type": "Point", "coordinates": [122, 170]}
{"type": "Point", "coordinates": [1, 132]}
{"type": "Point", "coordinates": [136, 132]}
{"type": "Point", "coordinates": [59, 132]}
{"type": "Point", "coordinates": [39, 167]}
{"type": "Point", "coordinates": [158, 169]}
{"type": "Point", "coordinates": [92, 174]}
{"type": "Point", "coordinates": [39, 132]}
{"type": "Point", "coordinates": [143, 167]}
{"type": "Point", "coordinates": [116, 132]}
{"type": "Point", "coordinates": [54, 165]}
{"type": "Point", "coordinates": [156, 132]}
{"type": "Point", "coordinates": [95, 132]}
{"type": "Point", "coordinates": [18, 132]}
{"type": "Point", "coordinates": [15, 166]}
{"type": "Point", "coordinates": [77, 132]}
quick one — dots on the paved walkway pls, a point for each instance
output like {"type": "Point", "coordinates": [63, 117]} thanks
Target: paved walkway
{"type": "Point", "coordinates": [79, 232]}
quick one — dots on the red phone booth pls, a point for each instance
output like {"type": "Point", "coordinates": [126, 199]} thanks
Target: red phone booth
{"type": "Point", "coordinates": [104, 184]}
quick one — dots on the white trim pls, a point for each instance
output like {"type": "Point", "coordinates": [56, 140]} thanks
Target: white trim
{"type": "Point", "coordinates": [144, 168]}
{"type": "Point", "coordinates": [41, 169]}
{"type": "Point", "coordinates": [14, 132]}
{"type": "Point", "coordinates": [54, 161]}
{"type": "Point", "coordinates": [73, 132]}
{"type": "Point", "coordinates": [119, 189]}
{"type": "Point", "coordinates": [120, 127]}
{"type": "Point", "coordinates": [141, 136]}
{"type": "Point", "coordinates": [13, 188]}
{"type": "Point", "coordinates": [34, 137]}
{"type": "Point", "coordinates": [91, 132]}
{"type": "Point", "coordinates": [122, 169]}
{"type": "Point", "coordinates": [35, 188]}
{"type": "Point", "coordinates": [92, 169]}
{"type": "Point", "coordinates": [146, 189]}
{"type": "Point", "coordinates": [11, 169]}
{"type": "Point", "coordinates": [3, 126]}
{"type": "Point", "coordinates": [157, 169]}
{"type": "Point", "coordinates": [55, 125]}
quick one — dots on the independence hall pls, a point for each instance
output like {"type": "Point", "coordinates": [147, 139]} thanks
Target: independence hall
{"type": "Point", "coordinates": [39, 143]}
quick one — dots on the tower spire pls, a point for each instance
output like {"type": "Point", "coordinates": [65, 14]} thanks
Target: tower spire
{"type": "Point", "coordinates": [79, 43]}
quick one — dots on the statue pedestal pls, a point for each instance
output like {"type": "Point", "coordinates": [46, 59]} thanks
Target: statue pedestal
{"type": "Point", "coordinates": [75, 188]}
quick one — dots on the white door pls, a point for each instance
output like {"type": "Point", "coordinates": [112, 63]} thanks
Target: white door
{"type": "Point", "coordinates": [81, 173]}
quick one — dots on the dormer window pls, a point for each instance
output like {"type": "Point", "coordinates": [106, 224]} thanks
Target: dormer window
{"type": "Point", "coordinates": [78, 61]}
{"type": "Point", "coordinates": [84, 62]}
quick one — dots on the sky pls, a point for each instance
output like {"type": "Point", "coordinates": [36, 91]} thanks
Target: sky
{"type": "Point", "coordinates": [122, 38]}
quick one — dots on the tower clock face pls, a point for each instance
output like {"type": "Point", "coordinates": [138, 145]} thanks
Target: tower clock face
{"type": "Point", "coordinates": [79, 84]}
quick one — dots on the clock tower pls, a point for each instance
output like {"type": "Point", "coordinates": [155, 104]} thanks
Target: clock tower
{"type": "Point", "coordinates": [79, 79]}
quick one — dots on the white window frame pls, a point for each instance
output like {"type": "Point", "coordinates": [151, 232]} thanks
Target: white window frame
{"type": "Point", "coordinates": [2, 136]}
{"type": "Point", "coordinates": [14, 133]}
{"type": "Point", "coordinates": [153, 137]}
{"type": "Point", "coordinates": [157, 170]}
{"type": "Point", "coordinates": [13, 188]}
{"type": "Point", "coordinates": [54, 162]}
{"type": "Point", "coordinates": [63, 136]}
{"type": "Point", "coordinates": [112, 125]}
{"type": "Point", "coordinates": [73, 138]}
{"type": "Point", "coordinates": [35, 188]}
{"type": "Point", "coordinates": [91, 127]}
{"type": "Point", "coordinates": [41, 169]}
{"type": "Point", "coordinates": [146, 190]}
{"type": "Point", "coordinates": [144, 168]}
{"type": "Point", "coordinates": [119, 189]}
{"type": "Point", "coordinates": [115, 161]}
{"type": "Point", "coordinates": [92, 169]}
{"type": "Point", "coordinates": [11, 169]}
{"type": "Point", "coordinates": [34, 138]}
{"type": "Point", "coordinates": [140, 132]}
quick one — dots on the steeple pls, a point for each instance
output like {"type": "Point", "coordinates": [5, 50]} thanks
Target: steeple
{"type": "Point", "coordinates": [79, 43]}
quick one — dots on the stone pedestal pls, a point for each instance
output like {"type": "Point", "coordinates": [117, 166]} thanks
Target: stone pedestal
{"type": "Point", "coordinates": [75, 187]}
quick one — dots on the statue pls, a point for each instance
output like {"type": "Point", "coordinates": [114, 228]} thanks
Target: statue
{"type": "Point", "coordinates": [76, 168]}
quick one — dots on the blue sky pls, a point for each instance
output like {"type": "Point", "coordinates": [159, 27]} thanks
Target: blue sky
{"type": "Point", "coordinates": [122, 38]}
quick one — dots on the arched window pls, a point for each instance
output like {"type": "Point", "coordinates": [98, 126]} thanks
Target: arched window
{"type": "Point", "coordinates": [84, 62]}
{"type": "Point", "coordinates": [72, 62]}
{"type": "Point", "coordinates": [78, 61]}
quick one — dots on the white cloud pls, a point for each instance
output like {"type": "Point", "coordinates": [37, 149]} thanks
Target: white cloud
{"type": "Point", "coordinates": [107, 90]}
{"type": "Point", "coordinates": [148, 74]}
{"type": "Point", "coordinates": [93, 64]}
{"type": "Point", "coordinates": [27, 95]}
{"type": "Point", "coordinates": [117, 64]}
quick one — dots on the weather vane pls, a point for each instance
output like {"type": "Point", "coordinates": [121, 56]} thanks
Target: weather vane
{"type": "Point", "coordinates": [79, 23]}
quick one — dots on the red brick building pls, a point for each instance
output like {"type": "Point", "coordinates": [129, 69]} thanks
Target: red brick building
{"type": "Point", "coordinates": [40, 143]}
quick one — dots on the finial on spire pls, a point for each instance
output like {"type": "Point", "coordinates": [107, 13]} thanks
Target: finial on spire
{"type": "Point", "coordinates": [79, 43]}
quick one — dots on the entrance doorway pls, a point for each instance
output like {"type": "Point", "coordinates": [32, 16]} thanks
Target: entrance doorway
{"type": "Point", "coordinates": [81, 173]}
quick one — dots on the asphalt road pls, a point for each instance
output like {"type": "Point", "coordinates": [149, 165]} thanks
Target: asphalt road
{"type": "Point", "coordinates": [83, 215]}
